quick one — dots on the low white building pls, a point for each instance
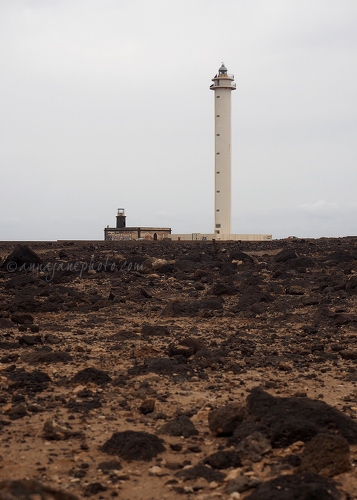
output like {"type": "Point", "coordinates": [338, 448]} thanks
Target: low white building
{"type": "Point", "coordinates": [220, 237]}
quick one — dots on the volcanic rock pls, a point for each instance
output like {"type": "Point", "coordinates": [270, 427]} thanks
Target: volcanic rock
{"type": "Point", "coordinates": [351, 285]}
{"type": "Point", "coordinates": [147, 406]}
{"type": "Point", "coordinates": [223, 421]}
{"type": "Point", "coordinates": [223, 459]}
{"type": "Point", "coordinates": [243, 257]}
{"type": "Point", "coordinates": [22, 255]}
{"type": "Point", "coordinates": [296, 487]}
{"type": "Point", "coordinates": [30, 340]}
{"type": "Point", "coordinates": [326, 454]}
{"type": "Point", "coordinates": [22, 318]}
{"type": "Point", "coordinates": [253, 447]}
{"type": "Point", "coordinates": [340, 256]}
{"type": "Point", "coordinates": [180, 426]}
{"type": "Point", "coordinates": [18, 411]}
{"type": "Point", "coordinates": [154, 330]}
{"type": "Point", "coordinates": [285, 255]}
{"type": "Point", "coordinates": [300, 263]}
{"type": "Point", "coordinates": [286, 420]}
{"type": "Point", "coordinates": [133, 445]}
{"type": "Point", "coordinates": [242, 483]}
{"type": "Point", "coordinates": [109, 465]}
{"type": "Point", "coordinates": [222, 288]}
{"type": "Point", "coordinates": [29, 489]}
{"type": "Point", "coordinates": [93, 489]}
{"type": "Point", "coordinates": [192, 307]}
{"type": "Point", "coordinates": [160, 365]}
{"type": "Point", "coordinates": [91, 375]}
{"type": "Point", "coordinates": [45, 356]}
{"type": "Point", "coordinates": [184, 351]}
{"type": "Point", "coordinates": [35, 381]}
{"type": "Point", "coordinates": [195, 343]}
{"type": "Point", "coordinates": [201, 470]}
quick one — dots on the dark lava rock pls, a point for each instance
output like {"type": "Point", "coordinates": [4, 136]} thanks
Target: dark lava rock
{"type": "Point", "coordinates": [88, 404]}
{"type": "Point", "coordinates": [91, 375]}
{"type": "Point", "coordinates": [295, 290]}
{"type": "Point", "coordinates": [5, 323]}
{"type": "Point", "coordinates": [24, 281]}
{"type": "Point", "coordinates": [147, 406]}
{"type": "Point", "coordinates": [351, 285]}
{"type": "Point", "coordinates": [180, 426]}
{"type": "Point", "coordinates": [124, 335]}
{"type": "Point", "coordinates": [340, 256]}
{"type": "Point", "coordinates": [286, 420]}
{"type": "Point", "coordinates": [300, 263]}
{"type": "Point", "coordinates": [201, 470]}
{"type": "Point", "coordinates": [155, 330]}
{"type": "Point", "coordinates": [296, 487]}
{"type": "Point", "coordinates": [310, 329]}
{"type": "Point", "coordinates": [310, 301]}
{"type": "Point", "coordinates": [93, 489]}
{"type": "Point", "coordinates": [10, 358]}
{"type": "Point", "coordinates": [192, 307]}
{"type": "Point", "coordinates": [144, 293]}
{"type": "Point", "coordinates": [253, 447]}
{"type": "Point", "coordinates": [30, 340]}
{"type": "Point", "coordinates": [223, 459]}
{"type": "Point", "coordinates": [348, 353]}
{"type": "Point", "coordinates": [187, 347]}
{"type": "Point", "coordinates": [18, 411]}
{"type": "Point", "coordinates": [21, 318]}
{"type": "Point", "coordinates": [109, 465]}
{"type": "Point", "coordinates": [28, 304]}
{"type": "Point", "coordinates": [340, 319]}
{"type": "Point", "coordinates": [243, 483]}
{"type": "Point", "coordinates": [35, 381]}
{"type": "Point", "coordinates": [184, 351]}
{"type": "Point", "coordinates": [224, 420]}
{"type": "Point", "coordinates": [243, 257]}
{"type": "Point", "coordinates": [47, 357]}
{"type": "Point", "coordinates": [194, 343]}
{"type": "Point", "coordinates": [164, 366]}
{"type": "Point", "coordinates": [53, 339]}
{"type": "Point", "coordinates": [252, 300]}
{"type": "Point", "coordinates": [222, 288]}
{"type": "Point", "coordinates": [326, 454]}
{"type": "Point", "coordinates": [293, 460]}
{"type": "Point", "coordinates": [285, 255]}
{"type": "Point", "coordinates": [133, 445]}
{"type": "Point", "coordinates": [22, 255]}
{"type": "Point", "coordinates": [62, 254]}
{"type": "Point", "coordinates": [28, 489]}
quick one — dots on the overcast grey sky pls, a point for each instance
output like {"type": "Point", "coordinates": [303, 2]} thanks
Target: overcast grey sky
{"type": "Point", "coordinates": [106, 104]}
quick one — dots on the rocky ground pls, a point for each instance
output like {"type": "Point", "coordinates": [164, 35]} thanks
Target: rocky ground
{"type": "Point", "coordinates": [147, 370]}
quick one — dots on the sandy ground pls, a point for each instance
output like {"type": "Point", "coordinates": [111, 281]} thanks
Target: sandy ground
{"type": "Point", "coordinates": [171, 330]}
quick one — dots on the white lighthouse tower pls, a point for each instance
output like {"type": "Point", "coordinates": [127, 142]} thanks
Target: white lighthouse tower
{"type": "Point", "coordinates": [222, 86]}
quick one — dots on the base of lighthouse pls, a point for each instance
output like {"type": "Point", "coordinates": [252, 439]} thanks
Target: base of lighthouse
{"type": "Point", "coordinates": [220, 237]}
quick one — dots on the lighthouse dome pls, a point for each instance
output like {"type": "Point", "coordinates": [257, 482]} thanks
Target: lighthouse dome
{"type": "Point", "coordinates": [223, 70]}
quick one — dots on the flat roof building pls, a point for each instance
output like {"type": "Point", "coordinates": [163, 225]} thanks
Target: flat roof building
{"type": "Point", "coordinates": [124, 232]}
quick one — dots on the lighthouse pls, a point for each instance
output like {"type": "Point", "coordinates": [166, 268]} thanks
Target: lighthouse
{"type": "Point", "coordinates": [223, 84]}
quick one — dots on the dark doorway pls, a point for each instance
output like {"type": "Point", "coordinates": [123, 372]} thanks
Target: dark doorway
{"type": "Point", "coordinates": [155, 237]}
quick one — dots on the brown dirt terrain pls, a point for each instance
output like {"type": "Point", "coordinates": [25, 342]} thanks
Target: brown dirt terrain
{"type": "Point", "coordinates": [203, 370]}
